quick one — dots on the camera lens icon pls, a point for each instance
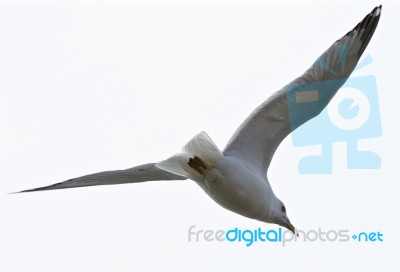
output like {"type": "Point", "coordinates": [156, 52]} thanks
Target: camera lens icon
{"type": "Point", "coordinates": [349, 110]}
{"type": "Point", "coordinates": [352, 115]}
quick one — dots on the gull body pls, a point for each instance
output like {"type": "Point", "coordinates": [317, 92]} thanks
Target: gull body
{"type": "Point", "coordinates": [237, 188]}
{"type": "Point", "coordinates": [236, 178]}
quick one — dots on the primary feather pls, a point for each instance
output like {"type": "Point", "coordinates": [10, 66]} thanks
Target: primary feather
{"type": "Point", "coordinates": [257, 139]}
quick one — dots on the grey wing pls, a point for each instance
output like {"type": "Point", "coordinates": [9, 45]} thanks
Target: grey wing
{"type": "Point", "coordinates": [257, 139]}
{"type": "Point", "coordinates": [141, 173]}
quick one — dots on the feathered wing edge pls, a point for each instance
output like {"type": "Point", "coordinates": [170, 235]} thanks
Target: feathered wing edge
{"type": "Point", "coordinates": [141, 173]}
{"type": "Point", "coordinates": [174, 168]}
{"type": "Point", "coordinates": [258, 137]}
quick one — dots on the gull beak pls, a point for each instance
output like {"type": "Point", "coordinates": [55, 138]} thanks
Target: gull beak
{"type": "Point", "coordinates": [290, 227]}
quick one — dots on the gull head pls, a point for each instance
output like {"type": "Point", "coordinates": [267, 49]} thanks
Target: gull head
{"type": "Point", "coordinates": [280, 217]}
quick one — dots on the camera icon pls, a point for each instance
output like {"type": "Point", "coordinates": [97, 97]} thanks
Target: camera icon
{"type": "Point", "coordinates": [353, 114]}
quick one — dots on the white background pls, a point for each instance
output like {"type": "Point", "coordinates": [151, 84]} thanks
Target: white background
{"type": "Point", "coordinates": [89, 87]}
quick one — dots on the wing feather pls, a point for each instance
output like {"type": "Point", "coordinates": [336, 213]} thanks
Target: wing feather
{"type": "Point", "coordinates": [257, 139]}
{"type": "Point", "coordinates": [141, 173]}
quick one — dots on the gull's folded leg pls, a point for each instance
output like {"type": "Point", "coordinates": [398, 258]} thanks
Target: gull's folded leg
{"type": "Point", "coordinates": [198, 164]}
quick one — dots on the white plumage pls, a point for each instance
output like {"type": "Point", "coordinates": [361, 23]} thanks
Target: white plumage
{"type": "Point", "coordinates": [237, 177]}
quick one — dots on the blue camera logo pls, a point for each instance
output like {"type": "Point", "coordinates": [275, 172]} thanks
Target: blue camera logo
{"type": "Point", "coordinates": [352, 114]}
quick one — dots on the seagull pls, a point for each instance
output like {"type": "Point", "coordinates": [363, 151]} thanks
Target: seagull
{"type": "Point", "coordinates": [236, 178]}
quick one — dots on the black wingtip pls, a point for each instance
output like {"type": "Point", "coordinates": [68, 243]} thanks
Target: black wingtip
{"type": "Point", "coordinates": [368, 25]}
{"type": "Point", "coordinates": [376, 11]}
{"type": "Point", "coordinates": [366, 28]}
{"type": "Point", "coordinates": [18, 192]}
{"type": "Point", "coordinates": [45, 188]}
{"type": "Point", "coordinates": [24, 191]}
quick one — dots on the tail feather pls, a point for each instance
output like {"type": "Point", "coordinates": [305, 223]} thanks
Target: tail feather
{"type": "Point", "coordinates": [200, 146]}
{"type": "Point", "coordinates": [203, 147]}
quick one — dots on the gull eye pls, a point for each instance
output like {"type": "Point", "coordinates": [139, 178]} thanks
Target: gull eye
{"type": "Point", "coordinates": [283, 209]}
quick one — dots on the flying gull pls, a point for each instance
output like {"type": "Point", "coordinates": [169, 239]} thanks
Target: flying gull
{"type": "Point", "coordinates": [236, 178]}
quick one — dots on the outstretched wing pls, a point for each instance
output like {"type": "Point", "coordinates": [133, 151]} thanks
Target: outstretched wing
{"type": "Point", "coordinates": [141, 173]}
{"type": "Point", "coordinates": [257, 139]}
